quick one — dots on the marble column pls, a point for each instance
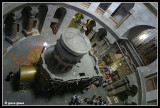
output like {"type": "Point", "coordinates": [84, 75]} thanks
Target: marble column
{"type": "Point", "coordinates": [28, 30]}
{"type": "Point", "coordinates": [91, 34]}
{"type": "Point", "coordinates": [12, 33]}
{"type": "Point", "coordinates": [13, 30]}
{"type": "Point", "coordinates": [30, 23]}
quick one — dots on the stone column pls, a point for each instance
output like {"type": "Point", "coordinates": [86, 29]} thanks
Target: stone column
{"type": "Point", "coordinates": [91, 34]}
{"type": "Point", "coordinates": [116, 84]}
{"type": "Point", "coordinates": [100, 44]}
{"type": "Point", "coordinates": [30, 23]}
{"type": "Point", "coordinates": [13, 30]}
{"type": "Point", "coordinates": [28, 31]}
{"type": "Point", "coordinates": [12, 33]}
{"type": "Point", "coordinates": [118, 90]}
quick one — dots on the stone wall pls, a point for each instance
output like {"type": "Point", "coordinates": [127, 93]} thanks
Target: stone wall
{"type": "Point", "coordinates": [150, 69]}
{"type": "Point", "coordinates": [140, 15]}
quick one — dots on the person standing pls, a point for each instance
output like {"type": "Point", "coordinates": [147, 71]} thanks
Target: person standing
{"type": "Point", "coordinates": [73, 99]}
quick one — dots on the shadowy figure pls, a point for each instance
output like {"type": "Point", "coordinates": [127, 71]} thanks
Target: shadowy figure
{"type": "Point", "coordinates": [15, 81]}
{"type": "Point", "coordinates": [9, 76]}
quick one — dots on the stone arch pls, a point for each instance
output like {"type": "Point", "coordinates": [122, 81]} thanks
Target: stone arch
{"type": "Point", "coordinates": [135, 31]}
{"type": "Point", "coordinates": [43, 9]}
{"type": "Point", "coordinates": [60, 13]}
{"type": "Point", "coordinates": [147, 47]}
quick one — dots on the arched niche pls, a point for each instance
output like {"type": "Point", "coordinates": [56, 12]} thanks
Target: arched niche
{"type": "Point", "coordinates": [43, 9]}
{"type": "Point", "coordinates": [76, 20]}
{"type": "Point", "coordinates": [57, 19]}
{"type": "Point", "coordinates": [99, 44]}
{"type": "Point", "coordinates": [60, 13]}
{"type": "Point", "coordinates": [89, 25]}
{"type": "Point", "coordinates": [144, 39]}
{"type": "Point", "coordinates": [26, 12]}
{"type": "Point", "coordinates": [8, 21]}
{"type": "Point", "coordinates": [133, 33]}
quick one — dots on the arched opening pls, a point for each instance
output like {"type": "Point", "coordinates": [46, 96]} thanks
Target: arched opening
{"type": "Point", "coordinates": [144, 39]}
{"type": "Point", "coordinates": [76, 21]}
{"type": "Point", "coordinates": [99, 42]}
{"type": "Point", "coordinates": [29, 22]}
{"type": "Point", "coordinates": [8, 21]}
{"type": "Point", "coordinates": [89, 25]}
{"type": "Point", "coordinates": [57, 19]}
{"type": "Point", "coordinates": [43, 9]}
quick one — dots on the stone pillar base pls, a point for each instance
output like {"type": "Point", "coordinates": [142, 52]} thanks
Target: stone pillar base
{"type": "Point", "coordinates": [27, 33]}
{"type": "Point", "coordinates": [12, 41]}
